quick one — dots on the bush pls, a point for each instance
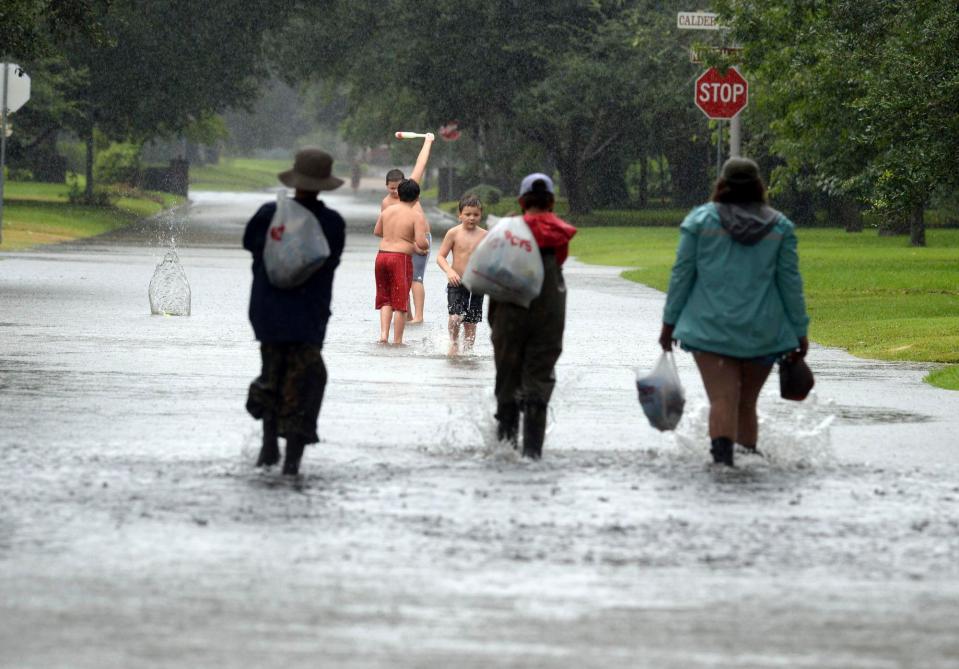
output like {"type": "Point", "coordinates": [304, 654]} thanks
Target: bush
{"type": "Point", "coordinates": [118, 164]}
{"type": "Point", "coordinates": [486, 193]}
{"type": "Point", "coordinates": [19, 174]}
{"type": "Point", "coordinates": [77, 194]}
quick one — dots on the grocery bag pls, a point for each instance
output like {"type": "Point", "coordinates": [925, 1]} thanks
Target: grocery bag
{"type": "Point", "coordinates": [295, 244]}
{"type": "Point", "coordinates": [661, 394]}
{"type": "Point", "coordinates": [507, 264]}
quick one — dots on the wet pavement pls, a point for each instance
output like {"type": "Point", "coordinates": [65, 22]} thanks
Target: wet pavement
{"type": "Point", "coordinates": [134, 530]}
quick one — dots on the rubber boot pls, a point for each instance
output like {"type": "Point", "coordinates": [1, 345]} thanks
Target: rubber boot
{"type": "Point", "coordinates": [507, 423]}
{"type": "Point", "coordinates": [294, 453]}
{"type": "Point", "coordinates": [270, 452]}
{"type": "Point", "coordinates": [722, 450]}
{"type": "Point", "coordinates": [752, 450]}
{"type": "Point", "coordinates": [534, 430]}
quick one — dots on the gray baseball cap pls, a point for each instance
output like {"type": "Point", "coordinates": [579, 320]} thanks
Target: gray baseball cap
{"type": "Point", "coordinates": [527, 185]}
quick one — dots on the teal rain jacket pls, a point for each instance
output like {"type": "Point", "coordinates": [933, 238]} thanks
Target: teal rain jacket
{"type": "Point", "coordinates": [738, 298]}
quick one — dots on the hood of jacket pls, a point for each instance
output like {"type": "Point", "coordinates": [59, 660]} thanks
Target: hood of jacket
{"type": "Point", "coordinates": [747, 223]}
{"type": "Point", "coordinates": [549, 229]}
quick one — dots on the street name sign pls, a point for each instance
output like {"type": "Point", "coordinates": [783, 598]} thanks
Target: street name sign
{"type": "Point", "coordinates": [698, 21]}
{"type": "Point", "coordinates": [698, 54]}
{"type": "Point", "coordinates": [721, 96]}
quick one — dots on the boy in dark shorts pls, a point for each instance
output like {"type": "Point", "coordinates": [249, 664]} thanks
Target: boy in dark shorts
{"type": "Point", "coordinates": [464, 307]}
{"type": "Point", "coordinates": [291, 324]}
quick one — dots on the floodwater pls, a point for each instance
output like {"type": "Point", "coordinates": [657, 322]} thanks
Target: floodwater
{"type": "Point", "coordinates": [135, 532]}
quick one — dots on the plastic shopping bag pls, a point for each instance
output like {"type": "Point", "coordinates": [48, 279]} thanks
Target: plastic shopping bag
{"type": "Point", "coordinates": [295, 244]}
{"type": "Point", "coordinates": [507, 264]}
{"type": "Point", "coordinates": [661, 394]}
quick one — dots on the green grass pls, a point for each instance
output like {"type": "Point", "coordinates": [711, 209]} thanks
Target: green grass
{"type": "Point", "coordinates": [947, 377]}
{"type": "Point", "coordinates": [237, 174]}
{"type": "Point", "coordinates": [876, 297]}
{"type": "Point", "coordinates": [36, 213]}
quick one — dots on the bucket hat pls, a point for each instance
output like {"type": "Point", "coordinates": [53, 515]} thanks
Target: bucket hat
{"type": "Point", "coordinates": [312, 171]}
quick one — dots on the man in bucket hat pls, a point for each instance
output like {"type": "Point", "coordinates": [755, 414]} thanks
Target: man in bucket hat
{"type": "Point", "coordinates": [290, 324]}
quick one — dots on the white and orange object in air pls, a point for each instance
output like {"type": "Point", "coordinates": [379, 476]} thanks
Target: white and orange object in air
{"type": "Point", "coordinates": [403, 134]}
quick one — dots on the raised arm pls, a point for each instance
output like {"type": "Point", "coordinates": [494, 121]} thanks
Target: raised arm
{"type": "Point", "coordinates": [420, 168]}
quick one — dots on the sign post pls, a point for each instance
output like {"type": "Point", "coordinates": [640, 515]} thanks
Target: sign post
{"type": "Point", "coordinates": [16, 92]}
{"type": "Point", "coordinates": [710, 21]}
{"type": "Point", "coordinates": [450, 133]}
{"type": "Point", "coordinates": [721, 97]}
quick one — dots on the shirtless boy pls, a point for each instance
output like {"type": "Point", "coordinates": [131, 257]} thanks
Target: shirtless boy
{"type": "Point", "coordinates": [464, 307]}
{"type": "Point", "coordinates": [393, 179]}
{"type": "Point", "coordinates": [404, 233]}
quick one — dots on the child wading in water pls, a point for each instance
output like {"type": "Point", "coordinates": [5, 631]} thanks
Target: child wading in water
{"type": "Point", "coordinates": [464, 307]}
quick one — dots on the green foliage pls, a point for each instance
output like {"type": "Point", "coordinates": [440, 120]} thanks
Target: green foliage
{"type": "Point", "coordinates": [488, 195]}
{"type": "Point", "coordinates": [77, 193]}
{"type": "Point", "coordinates": [562, 84]}
{"type": "Point", "coordinates": [118, 164]}
{"type": "Point", "coordinates": [860, 96]}
{"type": "Point", "coordinates": [874, 296]}
{"type": "Point", "coordinates": [31, 29]}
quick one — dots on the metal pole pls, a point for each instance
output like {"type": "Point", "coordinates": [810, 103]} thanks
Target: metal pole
{"type": "Point", "coordinates": [735, 136]}
{"type": "Point", "coordinates": [3, 141]}
{"type": "Point", "coordinates": [719, 147]}
{"type": "Point", "coordinates": [449, 170]}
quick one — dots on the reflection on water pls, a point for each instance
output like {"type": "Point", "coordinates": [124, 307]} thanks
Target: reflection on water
{"type": "Point", "coordinates": [169, 288]}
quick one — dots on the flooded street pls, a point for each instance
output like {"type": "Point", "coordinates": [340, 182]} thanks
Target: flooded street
{"type": "Point", "coordinates": [135, 531]}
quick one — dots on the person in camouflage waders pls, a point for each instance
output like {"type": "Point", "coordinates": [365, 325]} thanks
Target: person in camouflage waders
{"type": "Point", "coordinates": [528, 342]}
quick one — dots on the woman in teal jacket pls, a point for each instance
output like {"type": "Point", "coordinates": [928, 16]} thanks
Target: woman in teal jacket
{"type": "Point", "coordinates": [736, 301]}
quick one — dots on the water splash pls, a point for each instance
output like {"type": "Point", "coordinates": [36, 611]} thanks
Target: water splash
{"type": "Point", "coordinates": [169, 288]}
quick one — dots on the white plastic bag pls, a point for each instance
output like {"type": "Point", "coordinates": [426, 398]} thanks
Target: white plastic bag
{"type": "Point", "coordinates": [661, 394]}
{"type": "Point", "coordinates": [295, 244]}
{"type": "Point", "coordinates": [507, 264]}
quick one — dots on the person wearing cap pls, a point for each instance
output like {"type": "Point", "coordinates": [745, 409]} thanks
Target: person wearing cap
{"type": "Point", "coordinates": [290, 324]}
{"type": "Point", "coordinates": [735, 301]}
{"type": "Point", "coordinates": [528, 342]}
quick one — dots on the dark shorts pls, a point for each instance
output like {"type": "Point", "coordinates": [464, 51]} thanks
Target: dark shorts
{"type": "Point", "coordinates": [764, 360]}
{"type": "Point", "coordinates": [461, 302]}
{"type": "Point", "coordinates": [289, 389]}
{"type": "Point", "coordinates": [394, 278]}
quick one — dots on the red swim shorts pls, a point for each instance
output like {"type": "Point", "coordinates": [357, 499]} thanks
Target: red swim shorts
{"type": "Point", "coordinates": [394, 278]}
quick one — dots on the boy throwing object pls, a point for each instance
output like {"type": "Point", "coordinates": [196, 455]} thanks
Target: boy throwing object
{"type": "Point", "coordinates": [464, 307]}
{"type": "Point", "coordinates": [404, 233]}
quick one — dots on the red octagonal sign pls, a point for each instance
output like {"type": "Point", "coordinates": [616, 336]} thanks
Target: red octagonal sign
{"type": "Point", "coordinates": [721, 96]}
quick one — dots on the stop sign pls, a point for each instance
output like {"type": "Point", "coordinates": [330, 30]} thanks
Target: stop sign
{"type": "Point", "coordinates": [721, 96]}
{"type": "Point", "coordinates": [450, 132]}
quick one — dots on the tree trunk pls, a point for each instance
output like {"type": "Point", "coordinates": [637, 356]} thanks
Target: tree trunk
{"type": "Point", "coordinates": [849, 215]}
{"type": "Point", "coordinates": [89, 191]}
{"type": "Point", "coordinates": [917, 226]}
{"type": "Point", "coordinates": [570, 171]}
{"type": "Point", "coordinates": [894, 224]}
{"type": "Point", "coordinates": [643, 179]}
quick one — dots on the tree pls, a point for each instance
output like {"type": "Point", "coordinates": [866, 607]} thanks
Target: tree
{"type": "Point", "coordinates": [166, 64]}
{"type": "Point", "coordinates": [35, 29]}
{"type": "Point", "coordinates": [567, 77]}
{"type": "Point", "coordinates": [861, 94]}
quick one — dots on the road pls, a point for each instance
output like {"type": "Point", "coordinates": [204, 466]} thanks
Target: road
{"type": "Point", "coordinates": [134, 530]}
